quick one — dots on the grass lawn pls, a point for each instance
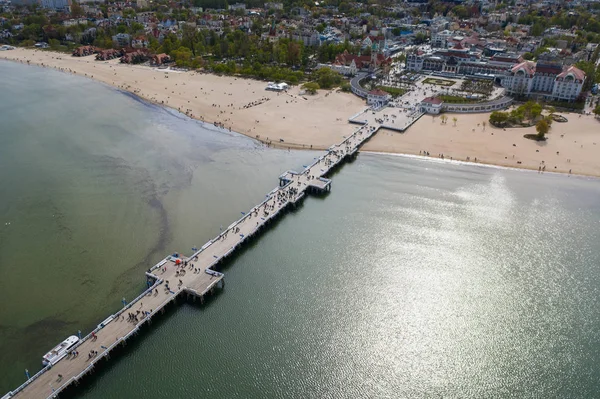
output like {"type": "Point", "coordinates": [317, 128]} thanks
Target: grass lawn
{"type": "Point", "coordinates": [439, 82]}
{"type": "Point", "coordinates": [394, 91]}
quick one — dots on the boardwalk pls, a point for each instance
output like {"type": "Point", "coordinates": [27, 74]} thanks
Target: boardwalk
{"type": "Point", "coordinates": [194, 275]}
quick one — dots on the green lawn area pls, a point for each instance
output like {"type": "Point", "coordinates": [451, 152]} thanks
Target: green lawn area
{"type": "Point", "coordinates": [439, 82]}
{"type": "Point", "coordinates": [394, 91]}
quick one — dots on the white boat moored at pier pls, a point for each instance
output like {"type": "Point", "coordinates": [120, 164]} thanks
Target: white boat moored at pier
{"type": "Point", "coordinates": [60, 351]}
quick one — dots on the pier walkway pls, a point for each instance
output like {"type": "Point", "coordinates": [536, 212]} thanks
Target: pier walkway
{"type": "Point", "coordinates": [194, 276]}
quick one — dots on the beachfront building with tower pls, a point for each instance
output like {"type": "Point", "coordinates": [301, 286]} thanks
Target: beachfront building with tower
{"type": "Point", "coordinates": [350, 64]}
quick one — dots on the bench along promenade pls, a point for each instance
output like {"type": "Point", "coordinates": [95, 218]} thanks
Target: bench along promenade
{"type": "Point", "coordinates": [194, 276]}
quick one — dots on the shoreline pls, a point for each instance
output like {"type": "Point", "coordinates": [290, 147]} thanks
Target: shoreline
{"type": "Point", "coordinates": [294, 121]}
{"type": "Point", "coordinates": [482, 164]}
{"type": "Point", "coordinates": [328, 118]}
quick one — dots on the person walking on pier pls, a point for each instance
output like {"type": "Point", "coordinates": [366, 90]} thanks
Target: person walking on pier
{"type": "Point", "coordinates": [94, 336]}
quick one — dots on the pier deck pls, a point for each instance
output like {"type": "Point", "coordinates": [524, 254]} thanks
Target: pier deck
{"type": "Point", "coordinates": [194, 275]}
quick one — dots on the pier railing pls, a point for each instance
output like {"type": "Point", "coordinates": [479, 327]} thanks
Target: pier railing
{"type": "Point", "coordinates": [80, 342]}
{"type": "Point", "coordinates": [121, 340]}
{"type": "Point", "coordinates": [336, 154]}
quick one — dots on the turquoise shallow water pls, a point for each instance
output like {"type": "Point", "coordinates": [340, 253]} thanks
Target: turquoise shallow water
{"type": "Point", "coordinates": [413, 278]}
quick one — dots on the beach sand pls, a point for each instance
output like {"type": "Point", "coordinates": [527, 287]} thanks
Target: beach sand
{"type": "Point", "coordinates": [574, 145]}
{"type": "Point", "coordinates": [289, 120]}
{"type": "Point", "coordinates": [240, 104]}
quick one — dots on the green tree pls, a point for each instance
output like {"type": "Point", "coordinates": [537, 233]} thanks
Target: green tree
{"type": "Point", "coordinates": [327, 78]}
{"type": "Point", "coordinates": [420, 38]}
{"type": "Point", "coordinates": [535, 111]}
{"type": "Point", "coordinates": [537, 29]}
{"type": "Point", "coordinates": [597, 111]}
{"type": "Point", "coordinates": [542, 128]}
{"type": "Point", "coordinates": [461, 12]}
{"type": "Point", "coordinates": [54, 44]}
{"type": "Point", "coordinates": [294, 53]}
{"type": "Point", "coordinates": [531, 110]}
{"type": "Point", "coordinates": [182, 57]}
{"type": "Point", "coordinates": [590, 74]}
{"type": "Point", "coordinates": [189, 37]}
{"type": "Point", "coordinates": [311, 87]}
{"type": "Point", "coordinates": [76, 10]}
{"type": "Point", "coordinates": [499, 118]}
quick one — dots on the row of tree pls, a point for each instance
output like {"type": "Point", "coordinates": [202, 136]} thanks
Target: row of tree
{"type": "Point", "coordinates": [530, 111]}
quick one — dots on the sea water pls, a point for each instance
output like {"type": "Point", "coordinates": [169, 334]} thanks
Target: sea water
{"type": "Point", "coordinates": [412, 278]}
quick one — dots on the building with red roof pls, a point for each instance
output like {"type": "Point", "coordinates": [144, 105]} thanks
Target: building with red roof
{"type": "Point", "coordinates": [432, 105]}
{"type": "Point", "coordinates": [378, 98]}
{"type": "Point", "coordinates": [362, 62]}
{"type": "Point", "coordinates": [545, 80]}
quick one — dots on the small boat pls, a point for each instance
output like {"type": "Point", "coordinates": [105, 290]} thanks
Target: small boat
{"type": "Point", "coordinates": [60, 351]}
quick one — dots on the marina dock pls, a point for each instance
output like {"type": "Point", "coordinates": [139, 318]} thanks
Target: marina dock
{"type": "Point", "coordinates": [194, 276]}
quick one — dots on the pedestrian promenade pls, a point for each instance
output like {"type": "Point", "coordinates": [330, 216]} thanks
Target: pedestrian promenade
{"type": "Point", "coordinates": [194, 276]}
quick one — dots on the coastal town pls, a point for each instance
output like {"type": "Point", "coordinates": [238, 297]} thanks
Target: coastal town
{"type": "Point", "coordinates": [509, 84]}
{"type": "Point", "coordinates": [542, 51]}
{"type": "Point", "coordinates": [290, 41]}
{"type": "Point", "coordinates": [474, 61]}
{"type": "Point", "coordinates": [417, 58]}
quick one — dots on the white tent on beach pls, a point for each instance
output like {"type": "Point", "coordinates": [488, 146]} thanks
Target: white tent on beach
{"type": "Point", "coordinates": [277, 86]}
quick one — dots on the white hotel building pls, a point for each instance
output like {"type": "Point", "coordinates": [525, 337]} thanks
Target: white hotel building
{"type": "Point", "coordinates": [544, 80]}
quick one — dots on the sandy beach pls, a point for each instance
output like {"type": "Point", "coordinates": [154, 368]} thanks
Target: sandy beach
{"type": "Point", "coordinates": [290, 120]}
{"type": "Point", "coordinates": [574, 145]}
{"type": "Point", "coordinates": [243, 105]}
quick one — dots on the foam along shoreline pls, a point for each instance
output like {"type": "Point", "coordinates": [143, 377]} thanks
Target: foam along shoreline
{"type": "Point", "coordinates": [572, 146]}
{"type": "Point", "coordinates": [294, 121]}
{"type": "Point", "coordinates": [471, 163]}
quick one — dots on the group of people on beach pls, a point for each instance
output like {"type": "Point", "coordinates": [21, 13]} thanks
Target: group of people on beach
{"type": "Point", "coordinates": [255, 103]}
{"type": "Point", "coordinates": [442, 156]}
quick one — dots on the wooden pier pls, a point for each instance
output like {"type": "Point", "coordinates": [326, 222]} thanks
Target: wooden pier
{"type": "Point", "coordinates": [195, 276]}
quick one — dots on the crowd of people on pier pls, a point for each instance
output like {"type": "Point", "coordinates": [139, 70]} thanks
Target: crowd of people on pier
{"type": "Point", "coordinates": [275, 202]}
